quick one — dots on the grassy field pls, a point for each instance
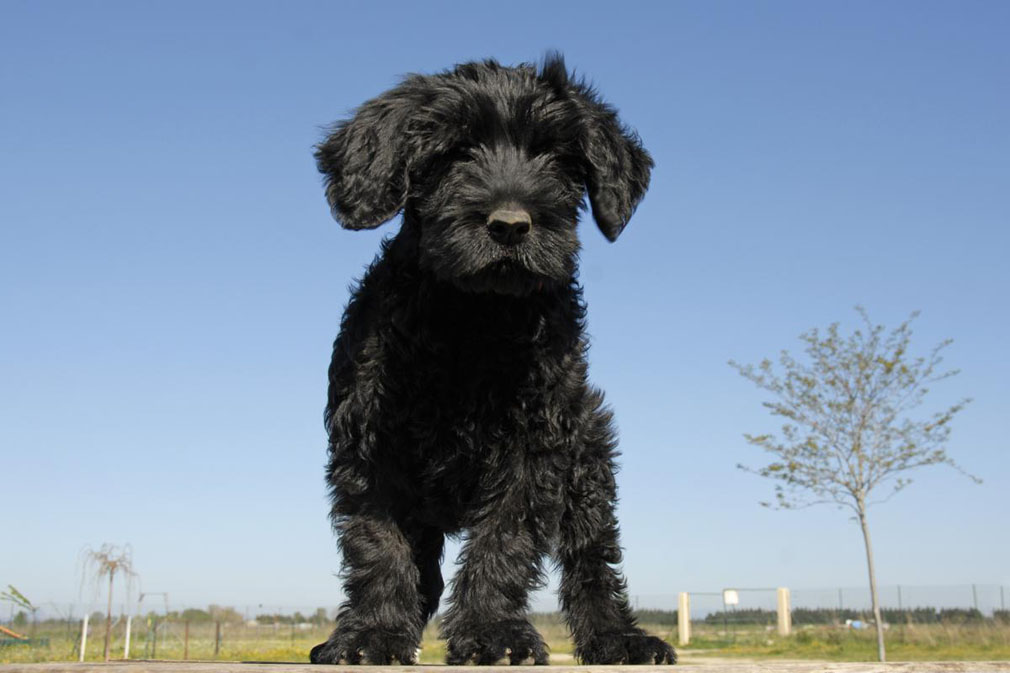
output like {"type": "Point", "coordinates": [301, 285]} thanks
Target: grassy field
{"type": "Point", "coordinates": [240, 642]}
{"type": "Point", "coordinates": [913, 642]}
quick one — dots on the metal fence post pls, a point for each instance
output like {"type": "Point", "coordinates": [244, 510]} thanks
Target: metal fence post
{"type": "Point", "coordinates": [684, 618]}
{"type": "Point", "coordinates": [784, 612]}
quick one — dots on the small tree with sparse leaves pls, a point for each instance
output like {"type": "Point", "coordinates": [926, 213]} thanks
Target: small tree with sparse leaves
{"type": "Point", "coordinates": [108, 561]}
{"type": "Point", "coordinates": [851, 431]}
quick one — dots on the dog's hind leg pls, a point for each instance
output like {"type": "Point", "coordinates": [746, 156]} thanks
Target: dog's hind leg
{"type": "Point", "coordinates": [381, 619]}
{"type": "Point", "coordinates": [593, 591]}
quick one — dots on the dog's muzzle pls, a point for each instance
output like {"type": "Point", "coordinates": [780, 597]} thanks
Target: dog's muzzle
{"type": "Point", "coordinates": [509, 226]}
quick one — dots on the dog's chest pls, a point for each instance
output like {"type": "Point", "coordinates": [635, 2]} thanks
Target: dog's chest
{"type": "Point", "coordinates": [473, 389]}
{"type": "Point", "coordinates": [481, 403]}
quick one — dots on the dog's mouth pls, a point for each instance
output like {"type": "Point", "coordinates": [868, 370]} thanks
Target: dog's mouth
{"type": "Point", "coordinates": [505, 276]}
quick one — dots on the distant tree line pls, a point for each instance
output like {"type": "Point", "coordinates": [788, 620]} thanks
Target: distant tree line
{"type": "Point", "coordinates": [658, 617]}
{"type": "Point", "coordinates": [213, 613]}
{"type": "Point", "coordinates": [225, 615]}
{"type": "Point", "coordinates": [804, 616]}
{"type": "Point", "coordinates": [318, 618]}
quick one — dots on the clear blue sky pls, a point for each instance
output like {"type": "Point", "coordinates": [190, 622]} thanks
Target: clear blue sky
{"type": "Point", "coordinates": [171, 280]}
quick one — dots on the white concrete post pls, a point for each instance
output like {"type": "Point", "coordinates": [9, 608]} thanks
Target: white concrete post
{"type": "Point", "coordinates": [785, 612]}
{"type": "Point", "coordinates": [684, 618]}
{"type": "Point", "coordinates": [84, 635]}
{"type": "Point", "coordinates": [126, 645]}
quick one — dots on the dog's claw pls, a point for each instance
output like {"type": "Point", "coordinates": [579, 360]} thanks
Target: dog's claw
{"type": "Point", "coordinates": [515, 639]}
{"type": "Point", "coordinates": [634, 647]}
{"type": "Point", "coordinates": [355, 648]}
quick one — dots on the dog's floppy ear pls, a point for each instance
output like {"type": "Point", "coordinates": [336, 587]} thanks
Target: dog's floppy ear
{"type": "Point", "coordinates": [366, 159]}
{"type": "Point", "coordinates": [617, 166]}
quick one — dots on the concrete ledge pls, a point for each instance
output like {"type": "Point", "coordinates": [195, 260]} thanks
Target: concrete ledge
{"type": "Point", "coordinates": [713, 666]}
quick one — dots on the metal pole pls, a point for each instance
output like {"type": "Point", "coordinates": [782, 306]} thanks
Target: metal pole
{"type": "Point", "coordinates": [185, 642]}
{"type": "Point", "coordinates": [126, 644]}
{"type": "Point", "coordinates": [84, 635]}
{"type": "Point", "coordinates": [217, 638]}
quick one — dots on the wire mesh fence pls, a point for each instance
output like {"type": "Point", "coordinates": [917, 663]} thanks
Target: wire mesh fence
{"type": "Point", "coordinates": [899, 604]}
{"type": "Point", "coordinates": [60, 632]}
{"type": "Point", "coordinates": [271, 632]}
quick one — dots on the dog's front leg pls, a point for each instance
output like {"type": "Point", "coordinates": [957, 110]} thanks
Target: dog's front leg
{"type": "Point", "coordinates": [500, 565]}
{"type": "Point", "coordinates": [382, 617]}
{"type": "Point", "coordinates": [593, 592]}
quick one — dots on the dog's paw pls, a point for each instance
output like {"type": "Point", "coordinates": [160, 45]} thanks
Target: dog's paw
{"type": "Point", "coordinates": [365, 646]}
{"type": "Point", "coordinates": [629, 647]}
{"type": "Point", "coordinates": [515, 639]}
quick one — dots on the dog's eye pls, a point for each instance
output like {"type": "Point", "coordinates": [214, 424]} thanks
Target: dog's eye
{"type": "Point", "coordinates": [538, 145]}
{"type": "Point", "coordinates": [544, 144]}
{"type": "Point", "coordinates": [457, 154]}
{"type": "Point", "coordinates": [438, 163]}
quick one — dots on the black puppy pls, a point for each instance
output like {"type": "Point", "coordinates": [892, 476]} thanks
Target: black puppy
{"type": "Point", "coordinates": [458, 400]}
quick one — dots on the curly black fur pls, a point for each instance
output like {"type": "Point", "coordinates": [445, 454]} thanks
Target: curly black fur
{"type": "Point", "coordinates": [458, 400]}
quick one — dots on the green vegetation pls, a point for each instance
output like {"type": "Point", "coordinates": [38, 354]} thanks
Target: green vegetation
{"type": "Point", "coordinates": [979, 641]}
{"type": "Point", "coordinates": [963, 637]}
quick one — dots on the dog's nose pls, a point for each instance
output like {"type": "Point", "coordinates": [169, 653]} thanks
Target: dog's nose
{"type": "Point", "coordinates": [509, 226]}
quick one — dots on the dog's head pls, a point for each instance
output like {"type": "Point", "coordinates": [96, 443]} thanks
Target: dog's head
{"type": "Point", "coordinates": [491, 164]}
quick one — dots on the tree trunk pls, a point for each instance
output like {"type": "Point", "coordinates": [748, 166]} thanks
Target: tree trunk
{"type": "Point", "coordinates": [108, 618]}
{"type": "Point", "coordinates": [873, 583]}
